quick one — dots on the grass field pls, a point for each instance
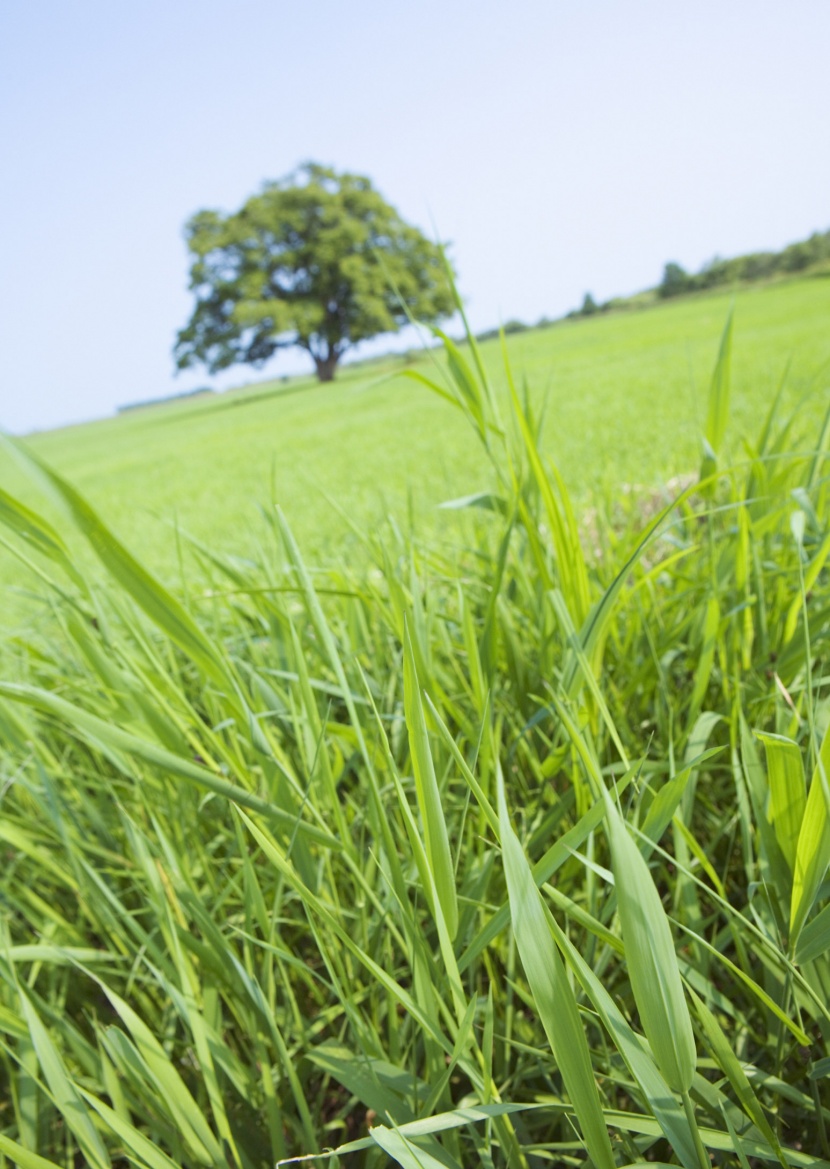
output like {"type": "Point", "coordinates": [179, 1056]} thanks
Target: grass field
{"type": "Point", "coordinates": [626, 399]}
{"type": "Point", "coordinates": [508, 850]}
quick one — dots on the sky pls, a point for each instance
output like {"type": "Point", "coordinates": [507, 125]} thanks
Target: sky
{"type": "Point", "coordinates": [560, 147]}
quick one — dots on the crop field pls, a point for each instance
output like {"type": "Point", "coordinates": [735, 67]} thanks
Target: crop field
{"type": "Point", "coordinates": [626, 399]}
{"type": "Point", "coordinates": [501, 844]}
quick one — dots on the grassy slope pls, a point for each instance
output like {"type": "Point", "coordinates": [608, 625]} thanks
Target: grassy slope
{"type": "Point", "coordinates": [338, 956]}
{"type": "Point", "coordinates": [627, 396]}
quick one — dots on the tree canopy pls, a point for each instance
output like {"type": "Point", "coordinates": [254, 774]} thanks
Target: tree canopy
{"type": "Point", "coordinates": [318, 260]}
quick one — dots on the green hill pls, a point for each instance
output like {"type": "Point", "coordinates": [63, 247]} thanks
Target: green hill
{"type": "Point", "coordinates": [626, 395]}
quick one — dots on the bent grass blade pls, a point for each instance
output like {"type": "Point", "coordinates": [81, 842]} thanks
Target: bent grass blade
{"type": "Point", "coordinates": [651, 959]}
{"type": "Point", "coordinates": [436, 839]}
{"type": "Point", "coordinates": [552, 992]}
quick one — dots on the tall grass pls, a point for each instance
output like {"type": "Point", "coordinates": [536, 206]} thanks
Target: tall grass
{"type": "Point", "coordinates": [509, 854]}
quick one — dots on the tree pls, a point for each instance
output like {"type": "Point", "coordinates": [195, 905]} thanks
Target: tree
{"type": "Point", "coordinates": [675, 280]}
{"type": "Point", "coordinates": [589, 306]}
{"type": "Point", "coordinates": [317, 259]}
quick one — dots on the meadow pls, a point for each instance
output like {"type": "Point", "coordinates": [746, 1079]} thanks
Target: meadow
{"type": "Point", "coordinates": [626, 399]}
{"type": "Point", "coordinates": [499, 844]}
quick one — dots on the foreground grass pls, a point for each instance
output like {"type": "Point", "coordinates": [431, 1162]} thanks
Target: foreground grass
{"type": "Point", "coordinates": [500, 855]}
{"type": "Point", "coordinates": [626, 404]}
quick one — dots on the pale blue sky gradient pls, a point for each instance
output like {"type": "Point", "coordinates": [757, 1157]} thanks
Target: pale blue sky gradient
{"type": "Point", "coordinates": [561, 147]}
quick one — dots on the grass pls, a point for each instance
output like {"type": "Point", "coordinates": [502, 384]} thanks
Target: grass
{"type": "Point", "coordinates": [507, 853]}
{"type": "Point", "coordinates": [369, 438]}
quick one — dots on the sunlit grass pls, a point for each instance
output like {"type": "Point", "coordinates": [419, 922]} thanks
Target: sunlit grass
{"type": "Point", "coordinates": [499, 852]}
{"type": "Point", "coordinates": [627, 402]}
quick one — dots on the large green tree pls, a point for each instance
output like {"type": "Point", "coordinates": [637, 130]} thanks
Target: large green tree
{"type": "Point", "coordinates": [318, 259]}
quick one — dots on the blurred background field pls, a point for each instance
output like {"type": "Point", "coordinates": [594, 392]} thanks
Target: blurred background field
{"type": "Point", "coordinates": [626, 398]}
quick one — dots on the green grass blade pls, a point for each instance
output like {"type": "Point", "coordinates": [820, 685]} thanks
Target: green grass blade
{"type": "Point", "coordinates": [171, 1086]}
{"type": "Point", "coordinates": [788, 792]}
{"type": "Point", "coordinates": [813, 850]}
{"type": "Point", "coordinates": [25, 1158]}
{"type": "Point", "coordinates": [663, 1104]}
{"type": "Point", "coordinates": [814, 939]}
{"type": "Point", "coordinates": [552, 993]}
{"type": "Point", "coordinates": [112, 739]}
{"type": "Point", "coordinates": [717, 415]}
{"type": "Point", "coordinates": [157, 602]}
{"type": "Point", "coordinates": [651, 959]}
{"type": "Point", "coordinates": [65, 1094]}
{"type": "Point", "coordinates": [38, 533]}
{"type": "Point", "coordinates": [436, 839]}
{"type": "Point", "coordinates": [469, 390]}
{"type": "Point", "coordinates": [731, 1067]}
{"type": "Point", "coordinates": [703, 671]}
{"type": "Point", "coordinates": [406, 1153]}
{"type": "Point", "coordinates": [133, 1140]}
{"type": "Point", "coordinates": [558, 853]}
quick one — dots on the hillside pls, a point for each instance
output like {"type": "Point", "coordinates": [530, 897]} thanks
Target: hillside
{"type": "Point", "coordinates": [626, 397]}
{"type": "Point", "coordinates": [496, 851]}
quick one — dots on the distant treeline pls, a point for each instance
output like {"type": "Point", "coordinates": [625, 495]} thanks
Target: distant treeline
{"type": "Point", "coordinates": [809, 254]}
{"type": "Point", "coordinates": [511, 327]}
{"type": "Point", "coordinates": [168, 398]}
{"type": "Point", "coordinates": [589, 307]}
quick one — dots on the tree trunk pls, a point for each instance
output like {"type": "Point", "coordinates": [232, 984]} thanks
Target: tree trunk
{"type": "Point", "coordinates": [326, 367]}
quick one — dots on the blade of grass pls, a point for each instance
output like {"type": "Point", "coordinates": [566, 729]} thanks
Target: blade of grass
{"type": "Point", "coordinates": [788, 794]}
{"type": "Point", "coordinates": [552, 993]}
{"type": "Point", "coordinates": [436, 839]}
{"type": "Point", "coordinates": [651, 959]}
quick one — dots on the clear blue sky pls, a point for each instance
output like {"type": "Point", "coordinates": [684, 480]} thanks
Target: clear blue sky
{"type": "Point", "coordinates": [561, 147]}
